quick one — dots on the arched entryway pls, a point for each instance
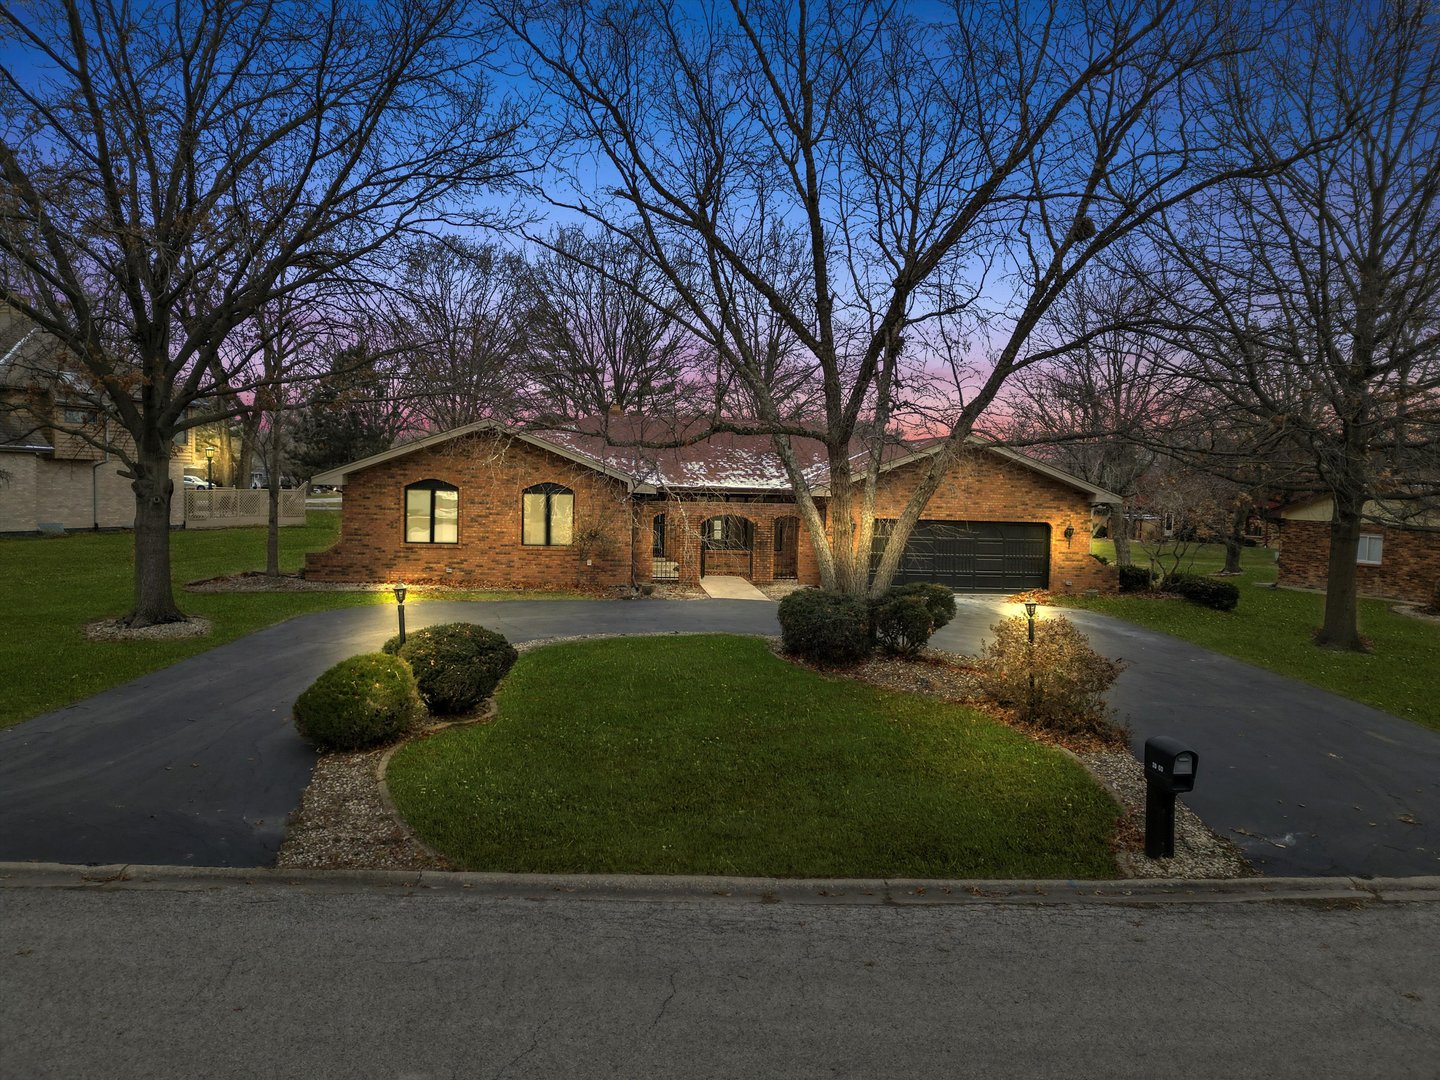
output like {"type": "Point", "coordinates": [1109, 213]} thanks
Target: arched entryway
{"type": "Point", "coordinates": [727, 546]}
{"type": "Point", "coordinates": [787, 547]}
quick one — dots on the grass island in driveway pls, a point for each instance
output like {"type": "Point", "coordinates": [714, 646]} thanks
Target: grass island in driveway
{"type": "Point", "coordinates": [709, 755]}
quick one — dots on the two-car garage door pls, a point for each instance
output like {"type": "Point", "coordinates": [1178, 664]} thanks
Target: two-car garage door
{"type": "Point", "coordinates": [973, 556]}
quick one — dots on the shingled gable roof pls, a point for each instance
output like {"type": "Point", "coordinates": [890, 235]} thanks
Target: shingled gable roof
{"type": "Point", "coordinates": [720, 462]}
{"type": "Point", "coordinates": [338, 476]}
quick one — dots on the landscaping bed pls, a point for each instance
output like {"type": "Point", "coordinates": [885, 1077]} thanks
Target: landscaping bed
{"type": "Point", "coordinates": [971, 798]}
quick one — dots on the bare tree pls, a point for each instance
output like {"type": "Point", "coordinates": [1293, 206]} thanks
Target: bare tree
{"type": "Point", "coordinates": [1097, 406]}
{"type": "Point", "coordinates": [355, 407]}
{"type": "Point", "coordinates": [1310, 299]}
{"type": "Point", "coordinates": [453, 318]}
{"type": "Point", "coordinates": [946, 180]}
{"type": "Point", "coordinates": [598, 328]}
{"type": "Point", "coordinates": [169, 169]}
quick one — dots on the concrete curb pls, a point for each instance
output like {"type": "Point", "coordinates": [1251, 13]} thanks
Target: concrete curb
{"type": "Point", "coordinates": [1335, 890]}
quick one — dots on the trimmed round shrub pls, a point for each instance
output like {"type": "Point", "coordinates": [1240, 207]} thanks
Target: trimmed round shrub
{"type": "Point", "coordinates": [1134, 578]}
{"type": "Point", "coordinates": [1070, 679]}
{"type": "Point", "coordinates": [939, 599]}
{"type": "Point", "coordinates": [825, 627]}
{"type": "Point", "coordinates": [457, 665]}
{"type": "Point", "coordinates": [903, 619]}
{"type": "Point", "coordinates": [902, 624]}
{"type": "Point", "coordinates": [367, 700]}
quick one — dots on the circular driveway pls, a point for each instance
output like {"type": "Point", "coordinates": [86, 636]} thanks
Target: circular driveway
{"type": "Point", "coordinates": [198, 763]}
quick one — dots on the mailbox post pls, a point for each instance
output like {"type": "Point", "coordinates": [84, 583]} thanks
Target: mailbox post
{"type": "Point", "coordinates": [1169, 771]}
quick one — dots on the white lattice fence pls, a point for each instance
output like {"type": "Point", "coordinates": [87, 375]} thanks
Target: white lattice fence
{"type": "Point", "coordinates": [222, 508]}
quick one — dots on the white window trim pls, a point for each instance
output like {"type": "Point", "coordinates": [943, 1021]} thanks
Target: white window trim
{"type": "Point", "coordinates": [1379, 543]}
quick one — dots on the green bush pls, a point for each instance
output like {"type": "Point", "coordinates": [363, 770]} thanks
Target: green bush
{"type": "Point", "coordinates": [901, 624]}
{"type": "Point", "coordinates": [824, 627]}
{"type": "Point", "coordinates": [1070, 678]}
{"type": "Point", "coordinates": [1220, 595]}
{"type": "Point", "coordinates": [939, 599]}
{"type": "Point", "coordinates": [1134, 578]}
{"type": "Point", "coordinates": [903, 619]}
{"type": "Point", "coordinates": [457, 665]}
{"type": "Point", "coordinates": [364, 701]}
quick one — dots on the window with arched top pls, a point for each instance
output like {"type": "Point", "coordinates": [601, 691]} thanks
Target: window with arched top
{"type": "Point", "coordinates": [547, 516]}
{"type": "Point", "coordinates": [432, 513]}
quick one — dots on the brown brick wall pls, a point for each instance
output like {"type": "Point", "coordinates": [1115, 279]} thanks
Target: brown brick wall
{"type": "Point", "coordinates": [1409, 561]}
{"type": "Point", "coordinates": [983, 486]}
{"type": "Point", "coordinates": [491, 473]}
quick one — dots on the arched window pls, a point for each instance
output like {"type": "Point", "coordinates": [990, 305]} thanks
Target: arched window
{"type": "Point", "coordinates": [432, 513]}
{"type": "Point", "coordinates": [657, 536]}
{"type": "Point", "coordinates": [547, 516]}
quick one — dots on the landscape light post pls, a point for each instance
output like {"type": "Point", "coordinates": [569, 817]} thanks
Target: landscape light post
{"type": "Point", "coordinates": [400, 602]}
{"type": "Point", "coordinates": [1030, 606]}
{"type": "Point", "coordinates": [210, 467]}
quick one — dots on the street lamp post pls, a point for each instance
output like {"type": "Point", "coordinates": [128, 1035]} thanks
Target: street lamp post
{"type": "Point", "coordinates": [400, 608]}
{"type": "Point", "coordinates": [1030, 607]}
{"type": "Point", "coordinates": [210, 466]}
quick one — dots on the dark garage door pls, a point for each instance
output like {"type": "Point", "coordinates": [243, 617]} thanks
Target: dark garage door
{"type": "Point", "coordinates": [973, 556]}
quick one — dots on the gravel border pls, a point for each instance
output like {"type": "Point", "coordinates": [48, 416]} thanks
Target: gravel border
{"type": "Point", "coordinates": [347, 820]}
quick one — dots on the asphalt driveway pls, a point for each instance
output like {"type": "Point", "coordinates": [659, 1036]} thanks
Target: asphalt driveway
{"type": "Point", "coordinates": [198, 763]}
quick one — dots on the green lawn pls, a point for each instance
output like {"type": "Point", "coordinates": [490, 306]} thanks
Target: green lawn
{"type": "Point", "coordinates": [62, 583]}
{"type": "Point", "coordinates": [708, 755]}
{"type": "Point", "coordinates": [1272, 628]}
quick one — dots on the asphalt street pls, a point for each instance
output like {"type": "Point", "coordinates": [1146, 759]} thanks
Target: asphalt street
{"type": "Point", "coordinates": [252, 981]}
{"type": "Point", "coordinates": [198, 764]}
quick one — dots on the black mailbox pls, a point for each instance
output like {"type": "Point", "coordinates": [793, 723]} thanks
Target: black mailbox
{"type": "Point", "coordinates": [1170, 764]}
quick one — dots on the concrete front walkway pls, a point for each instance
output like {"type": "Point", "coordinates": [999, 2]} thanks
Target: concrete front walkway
{"type": "Point", "coordinates": [731, 587]}
{"type": "Point", "coordinates": [198, 763]}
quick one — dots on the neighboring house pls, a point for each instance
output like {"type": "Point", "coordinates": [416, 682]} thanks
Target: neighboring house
{"type": "Point", "coordinates": [53, 477]}
{"type": "Point", "coordinates": [1399, 554]}
{"type": "Point", "coordinates": [487, 505]}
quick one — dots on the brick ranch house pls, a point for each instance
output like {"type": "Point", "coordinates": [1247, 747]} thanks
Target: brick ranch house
{"type": "Point", "coordinates": [488, 505]}
{"type": "Point", "coordinates": [1399, 554]}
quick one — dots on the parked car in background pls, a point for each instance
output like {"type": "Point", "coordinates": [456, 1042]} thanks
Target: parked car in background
{"type": "Point", "coordinates": [196, 483]}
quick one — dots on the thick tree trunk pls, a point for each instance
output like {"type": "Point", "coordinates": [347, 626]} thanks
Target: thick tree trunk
{"type": "Point", "coordinates": [852, 572]}
{"type": "Point", "coordinates": [1120, 533]}
{"type": "Point", "coordinates": [1341, 629]}
{"type": "Point", "coordinates": [1235, 538]}
{"type": "Point", "coordinates": [154, 595]}
{"type": "Point", "coordinates": [272, 533]}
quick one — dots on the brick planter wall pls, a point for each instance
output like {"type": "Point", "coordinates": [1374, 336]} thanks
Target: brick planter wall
{"type": "Point", "coordinates": [1409, 562]}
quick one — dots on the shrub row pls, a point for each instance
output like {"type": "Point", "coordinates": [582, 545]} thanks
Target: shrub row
{"type": "Point", "coordinates": [376, 698]}
{"type": "Point", "coordinates": [1220, 595]}
{"type": "Point", "coordinates": [830, 628]}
